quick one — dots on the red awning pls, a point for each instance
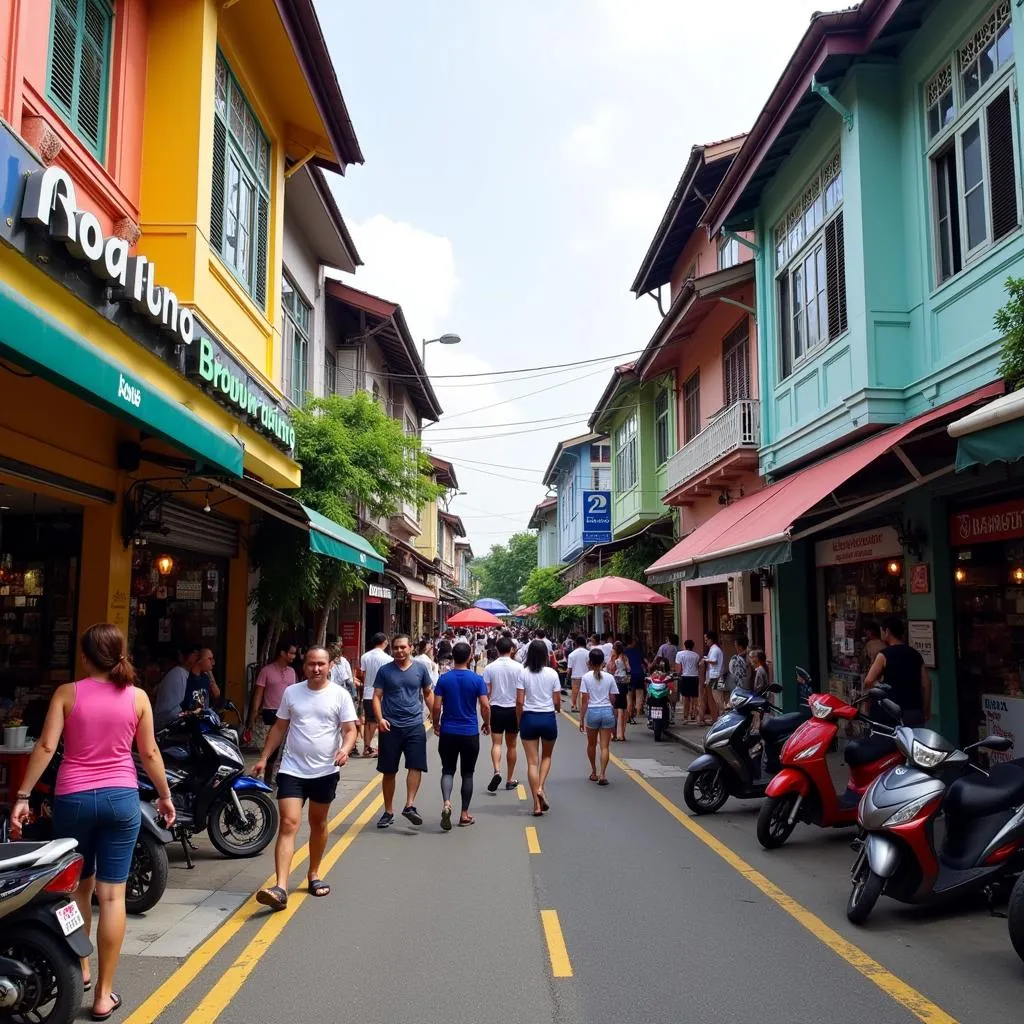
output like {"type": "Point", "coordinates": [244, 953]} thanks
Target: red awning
{"type": "Point", "coordinates": [765, 519]}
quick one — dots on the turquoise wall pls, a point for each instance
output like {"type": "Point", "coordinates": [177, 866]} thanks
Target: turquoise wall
{"type": "Point", "coordinates": [575, 463]}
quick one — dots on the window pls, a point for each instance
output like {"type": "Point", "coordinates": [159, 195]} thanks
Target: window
{"type": "Point", "coordinates": [971, 149]}
{"type": "Point", "coordinates": [600, 453]}
{"type": "Point", "coordinates": [240, 203]}
{"type": "Point", "coordinates": [572, 496]}
{"type": "Point", "coordinates": [736, 364]}
{"type": "Point", "coordinates": [330, 374]}
{"type": "Point", "coordinates": [600, 478]}
{"type": "Point", "coordinates": [662, 426]}
{"type": "Point", "coordinates": [691, 408]}
{"type": "Point", "coordinates": [626, 462]}
{"type": "Point", "coordinates": [728, 253]}
{"type": "Point", "coordinates": [810, 263]}
{"type": "Point", "coordinates": [297, 314]}
{"type": "Point", "coordinates": [78, 67]}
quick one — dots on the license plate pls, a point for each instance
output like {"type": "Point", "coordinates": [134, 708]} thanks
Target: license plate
{"type": "Point", "coordinates": [655, 713]}
{"type": "Point", "coordinates": [69, 917]}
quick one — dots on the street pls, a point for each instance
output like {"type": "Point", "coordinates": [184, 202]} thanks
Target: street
{"type": "Point", "coordinates": [628, 909]}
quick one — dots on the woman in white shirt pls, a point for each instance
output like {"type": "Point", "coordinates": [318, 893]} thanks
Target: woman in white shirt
{"type": "Point", "coordinates": [538, 698]}
{"type": "Point", "coordinates": [597, 716]}
{"type": "Point", "coordinates": [425, 656]}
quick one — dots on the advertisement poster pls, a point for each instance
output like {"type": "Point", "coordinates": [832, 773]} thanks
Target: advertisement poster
{"type": "Point", "coordinates": [350, 645]}
{"type": "Point", "coordinates": [597, 517]}
{"type": "Point", "coordinates": [1004, 716]}
{"type": "Point", "coordinates": [921, 636]}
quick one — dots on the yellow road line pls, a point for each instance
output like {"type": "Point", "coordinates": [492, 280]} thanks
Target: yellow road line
{"type": "Point", "coordinates": [557, 953]}
{"type": "Point", "coordinates": [216, 1001]}
{"type": "Point", "coordinates": [521, 791]}
{"type": "Point", "coordinates": [166, 993]}
{"type": "Point", "coordinates": [532, 842]}
{"type": "Point", "coordinates": [919, 1005]}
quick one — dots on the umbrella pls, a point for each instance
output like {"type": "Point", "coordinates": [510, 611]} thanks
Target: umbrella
{"type": "Point", "coordinates": [476, 617]}
{"type": "Point", "coordinates": [491, 604]}
{"type": "Point", "coordinates": [610, 590]}
{"type": "Point", "coordinates": [530, 610]}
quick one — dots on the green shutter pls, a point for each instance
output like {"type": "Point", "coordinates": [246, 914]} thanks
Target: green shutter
{"type": "Point", "coordinates": [217, 193]}
{"type": "Point", "coordinates": [262, 228]}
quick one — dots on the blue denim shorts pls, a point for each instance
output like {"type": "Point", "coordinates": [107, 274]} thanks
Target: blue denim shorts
{"type": "Point", "coordinates": [600, 718]}
{"type": "Point", "coordinates": [538, 725]}
{"type": "Point", "coordinates": [106, 824]}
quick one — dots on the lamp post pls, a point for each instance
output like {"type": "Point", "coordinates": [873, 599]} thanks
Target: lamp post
{"type": "Point", "coordinates": [445, 339]}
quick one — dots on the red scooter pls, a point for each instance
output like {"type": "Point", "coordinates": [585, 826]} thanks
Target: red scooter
{"type": "Point", "coordinates": [803, 790]}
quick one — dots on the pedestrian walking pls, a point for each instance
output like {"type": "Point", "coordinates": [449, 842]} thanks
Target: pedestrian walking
{"type": "Point", "coordinates": [340, 673]}
{"type": "Point", "coordinates": [502, 679]}
{"type": "Point", "coordinates": [538, 698]}
{"type": "Point", "coordinates": [456, 696]}
{"type": "Point", "coordinates": [318, 720]}
{"type": "Point", "coordinates": [619, 668]}
{"type": "Point", "coordinates": [400, 690]}
{"type": "Point", "coordinates": [425, 656]}
{"type": "Point", "coordinates": [578, 667]}
{"type": "Point", "coordinates": [902, 668]}
{"type": "Point", "coordinates": [669, 651]}
{"type": "Point", "coordinates": [714, 665]}
{"type": "Point", "coordinates": [740, 669]}
{"type": "Point", "coordinates": [274, 678]}
{"type": "Point", "coordinates": [597, 717]}
{"type": "Point", "coordinates": [688, 666]}
{"type": "Point", "coordinates": [760, 663]}
{"type": "Point", "coordinates": [369, 665]}
{"type": "Point", "coordinates": [96, 798]}
{"type": "Point", "coordinates": [637, 678]}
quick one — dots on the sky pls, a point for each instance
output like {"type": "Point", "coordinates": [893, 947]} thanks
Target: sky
{"type": "Point", "coordinates": [519, 157]}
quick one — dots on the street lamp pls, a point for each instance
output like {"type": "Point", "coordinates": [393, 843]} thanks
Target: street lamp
{"type": "Point", "coordinates": [445, 339]}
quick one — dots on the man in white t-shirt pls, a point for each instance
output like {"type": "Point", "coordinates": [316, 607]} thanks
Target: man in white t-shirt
{"type": "Point", "coordinates": [369, 665]}
{"type": "Point", "coordinates": [578, 668]}
{"type": "Point", "coordinates": [608, 648]}
{"type": "Point", "coordinates": [714, 662]}
{"type": "Point", "coordinates": [319, 720]}
{"type": "Point", "coordinates": [502, 677]}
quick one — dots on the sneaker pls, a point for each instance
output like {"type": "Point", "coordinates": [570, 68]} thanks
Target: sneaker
{"type": "Point", "coordinates": [492, 786]}
{"type": "Point", "coordinates": [413, 815]}
{"type": "Point", "coordinates": [385, 820]}
{"type": "Point", "coordinates": [514, 784]}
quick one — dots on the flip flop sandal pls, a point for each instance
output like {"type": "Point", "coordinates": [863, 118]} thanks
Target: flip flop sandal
{"type": "Point", "coordinates": [446, 819]}
{"type": "Point", "coordinates": [602, 782]}
{"type": "Point", "coordinates": [544, 805]}
{"type": "Point", "coordinates": [318, 888]}
{"type": "Point", "coordinates": [492, 786]}
{"type": "Point", "coordinates": [86, 985]}
{"type": "Point", "coordinates": [538, 814]}
{"type": "Point", "coordinates": [275, 897]}
{"type": "Point", "coordinates": [116, 999]}
{"type": "Point", "coordinates": [466, 822]}
{"type": "Point", "coordinates": [593, 776]}
{"type": "Point", "coordinates": [514, 784]}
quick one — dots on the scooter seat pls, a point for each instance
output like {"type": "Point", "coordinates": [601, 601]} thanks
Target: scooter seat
{"type": "Point", "coordinates": [869, 749]}
{"type": "Point", "coordinates": [974, 796]}
{"type": "Point", "coordinates": [20, 855]}
{"type": "Point", "coordinates": [777, 728]}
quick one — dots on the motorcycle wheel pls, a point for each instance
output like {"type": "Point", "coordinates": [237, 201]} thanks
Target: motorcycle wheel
{"type": "Point", "coordinates": [773, 826]}
{"type": "Point", "coordinates": [247, 838]}
{"type": "Point", "coordinates": [54, 996]}
{"type": "Point", "coordinates": [704, 792]}
{"type": "Point", "coordinates": [1015, 917]}
{"type": "Point", "coordinates": [867, 887]}
{"type": "Point", "coordinates": [659, 729]}
{"type": "Point", "coordinates": [147, 877]}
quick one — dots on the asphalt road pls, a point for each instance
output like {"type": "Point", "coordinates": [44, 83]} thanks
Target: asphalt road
{"type": "Point", "coordinates": [663, 920]}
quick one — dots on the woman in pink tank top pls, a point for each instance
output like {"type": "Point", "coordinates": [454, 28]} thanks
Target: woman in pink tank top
{"type": "Point", "coordinates": [96, 801]}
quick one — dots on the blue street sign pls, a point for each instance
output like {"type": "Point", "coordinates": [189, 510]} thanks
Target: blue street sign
{"type": "Point", "coordinates": [597, 517]}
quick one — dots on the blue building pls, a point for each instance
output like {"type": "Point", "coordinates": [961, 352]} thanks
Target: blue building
{"type": "Point", "coordinates": [579, 464]}
{"type": "Point", "coordinates": [545, 521]}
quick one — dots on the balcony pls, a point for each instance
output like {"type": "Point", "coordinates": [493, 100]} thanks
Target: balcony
{"type": "Point", "coordinates": [717, 456]}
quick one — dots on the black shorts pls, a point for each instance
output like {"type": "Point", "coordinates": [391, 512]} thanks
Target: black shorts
{"type": "Point", "coordinates": [621, 700]}
{"type": "Point", "coordinates": [461, 750]}
{"type": "Point", "coordinates": [637, 683]}
{"type": "Point", "coordinates": [410, 741]}
{"type": "Point", "coordinates": [689, 686]}
{"type": "Point", "coordinates": [321, 790]}
{"type": "Point", "coordinates": [503, 720]}
{"type": "Point", "coordinates": [368, 713]}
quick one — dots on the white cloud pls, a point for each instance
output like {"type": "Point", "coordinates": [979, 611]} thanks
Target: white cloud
{"type": "Point", "coordinates": [634, 208]}
{"type": "Point", "coordinates": [590, 142]}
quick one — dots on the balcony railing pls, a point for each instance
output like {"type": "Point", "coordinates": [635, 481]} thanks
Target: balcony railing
{"type": "Point", "coordinates": [737, 427]}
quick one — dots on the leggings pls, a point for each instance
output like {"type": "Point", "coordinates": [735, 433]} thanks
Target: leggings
{"type": "Point", "coordinates": [463, 750]}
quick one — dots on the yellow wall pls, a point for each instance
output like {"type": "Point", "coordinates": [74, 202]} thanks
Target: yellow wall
{"type": "Point", "coordinates": [426, 542]}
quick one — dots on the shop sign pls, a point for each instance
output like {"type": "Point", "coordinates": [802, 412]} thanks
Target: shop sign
{"type": "Point", "coordinates": [1004, 716]}
{"type": "Point", "coordinates": [376, 590]}
{"type": "Point", "coordinates": [921, 636]}
{"type": "Point", "coordinates": [868, 546]}
{"type": "Point", "coordinates": [990, 522]}
{"type": "Point", "coordinates": [597, 517]}
{"type": "Point", "coordinates": [920, 578]}
{"type": "Point", "coordinates": [51, 203]}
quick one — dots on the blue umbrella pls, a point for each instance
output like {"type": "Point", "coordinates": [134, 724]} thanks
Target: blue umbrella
{"type": "Point", "coordinates": [492, 605]}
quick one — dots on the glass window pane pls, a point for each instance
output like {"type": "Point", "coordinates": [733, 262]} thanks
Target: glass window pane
{"type": "Point", "coordinates": [221, 92]}
{"type": "Point", "coordinates": [970, 145]}
{"type": "Point", "coordinates": [970, 80]}
{"type": "Point", "coordinates": [977, 227]}
{"type": "Point", "coordinates": [1004, 45]}
{"type": "Point", "coordinates": [231, 226]}
{"type": "Point", "coordinates": [987, 62]}
{"type": "Point", "coordinates": [236, 121]}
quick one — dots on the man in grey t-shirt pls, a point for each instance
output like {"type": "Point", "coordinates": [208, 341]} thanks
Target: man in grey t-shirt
{"type": "Point", "coordinates": [399, 692]}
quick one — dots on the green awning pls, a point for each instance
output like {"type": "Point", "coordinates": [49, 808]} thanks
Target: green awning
{"type": "Point", "coordinates": [36, 340]}
{"type": "Point", "coordinates": [327, 537]}
{"type": "Point", "coordinates": [732, 562]}
{"type": "Point", "coordinates": [1003, 442]}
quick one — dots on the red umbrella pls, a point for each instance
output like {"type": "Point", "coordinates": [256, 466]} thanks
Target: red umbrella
{"type": "Point", "coordinates": [476, 617]}
{"type": "Point", "coordinates": [610, 590]}
{"type": "Point", "coordinates": [530, 610]}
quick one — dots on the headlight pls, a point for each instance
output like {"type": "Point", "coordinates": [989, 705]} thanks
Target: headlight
{"type": "Point", "coordinates": [820, 709]}
{"type": "Point", "coordinates": [908, 811]}
{"type": "Point", "coordinates": [737, 699]}
{"type": "Point", "coordinates": [926, 757]}
{"type": "Point", "coordinates": [809, 752]}
{"type": "Point", "coordinates": [226, 750]}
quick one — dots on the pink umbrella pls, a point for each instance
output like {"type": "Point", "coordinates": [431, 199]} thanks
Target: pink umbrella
{"type": "Point", "coordinates": [610, 590]}
{"type": "Point", "coordinates": [473, 617]}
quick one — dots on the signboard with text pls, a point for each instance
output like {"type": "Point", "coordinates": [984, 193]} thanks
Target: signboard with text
{"type": "Point", "coordinates": [866, 546]}
{"type": "Point", "coordinates": [597, 517]}
{"type": "Point", "coordinates": [1004, 521]}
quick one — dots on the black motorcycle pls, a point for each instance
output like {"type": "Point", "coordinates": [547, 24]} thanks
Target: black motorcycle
{"type": "Point", "coordinates": [211, 790]}
{"type": "Point", "coordinates": [42, 933]}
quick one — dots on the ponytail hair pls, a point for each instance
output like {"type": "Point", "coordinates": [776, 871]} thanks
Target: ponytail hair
{"type": "Point", "coordinates": [596, 660]}
{"type": "Point", "coordinates": [103, 645]}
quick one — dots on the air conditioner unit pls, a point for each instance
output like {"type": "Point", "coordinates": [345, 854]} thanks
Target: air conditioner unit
{"type": "Point", "coordinates": [744, 594]}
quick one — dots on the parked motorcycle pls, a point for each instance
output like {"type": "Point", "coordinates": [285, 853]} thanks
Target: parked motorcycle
{"type": "Point", "coordinates": [1015, 917]}
{"type": "Point", "coordinates": [42, 933]}
{"type": "Point", "coordinates": [803, 789]}
{"type": "Point", "coordinates": [738, 760]}
{"type": "Point", "coordinates": [657, 707]}
{"type": "Point", "coordinates": [213, 793]}
{"type": "Point", "coordinates": [938, 826]}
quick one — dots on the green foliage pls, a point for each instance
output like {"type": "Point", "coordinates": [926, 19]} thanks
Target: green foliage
{"type": "Point", "coordinates": [1009, 322]}
{"type": "Point", "coordinates": [543, 587]}
{"type": "Point", "coordinates": [631, 562]}
{"type": "Point", "coordinates": [505, 568]}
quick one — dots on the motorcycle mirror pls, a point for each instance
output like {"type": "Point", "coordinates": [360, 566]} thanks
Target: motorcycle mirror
{"type": "Point", "coordinates": [774, 688]}
{"type": "Point", "coordinates": [892, 708]}
{"type": "Point", "coordinates": [1001, 743]}
{"type": "Point", "coordinates": [883, 688]}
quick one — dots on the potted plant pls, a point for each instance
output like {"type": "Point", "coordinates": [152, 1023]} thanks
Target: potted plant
{"type": "Point", "coordinates": [15, 732]}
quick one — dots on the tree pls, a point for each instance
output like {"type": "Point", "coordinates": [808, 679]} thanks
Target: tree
{"type": "Point", "coordinates": [631, 562]}
{"type": "Point", "coordinates": [505, 568]}
{"type": "Point", "coordinates": [352, 454]}
{"type": "Point", "coordinates": [1009, 322]}
{"type": "Point", "coordinates": [543, 587]}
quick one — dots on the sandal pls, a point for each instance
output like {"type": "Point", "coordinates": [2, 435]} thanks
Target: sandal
{"type": "Point", "coordinates": [275, 897]}
{"type": "Point", "coordinates": [318, 888]}
{"type": "Point", "coordinates": [467, 821]}
{"type": "Point", "coordinates": [602, 782]}
{"type": "Point", "coordinates": [538, 814]}
{"type": "Point", "coordinates": [116, 1000]}
{"type": "Point", "coordinates": [492, 786]}
{"type": "Point", "coordinates": [593, 776]}
{"type": "Point", "coordinates": [544, 805]}
{"type": "Point", "coordinates": [512, 784]}
{"type": "Point", "coordinates": [446, 819]}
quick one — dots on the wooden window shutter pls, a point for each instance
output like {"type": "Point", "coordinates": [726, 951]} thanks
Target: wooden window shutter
{"type": "Point", "coordinates": [217, 194]}
{"type": "Point", "coordinates": [1002, 177]}
{"type": "Point", "coordinates": [262, 229]}
{"type": "Point", "coordinates": [92, 74]}
{"type": "Point", "coordinates": [835, 275]}
{"type": "Point", "coordinates": [63, 50]}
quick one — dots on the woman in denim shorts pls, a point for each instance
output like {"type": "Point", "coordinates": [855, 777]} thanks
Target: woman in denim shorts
{"type": "Point", "coordinates": [597, 716]}
{"type": "Point", "coordinates": [96, 800]}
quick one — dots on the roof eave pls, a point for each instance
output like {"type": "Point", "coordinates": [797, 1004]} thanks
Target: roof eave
{"type": "Point", "coordinates": [323, 189]}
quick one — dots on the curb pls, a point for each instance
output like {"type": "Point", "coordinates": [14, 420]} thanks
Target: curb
{"type": "Point", "coordinates": [695, 746]}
